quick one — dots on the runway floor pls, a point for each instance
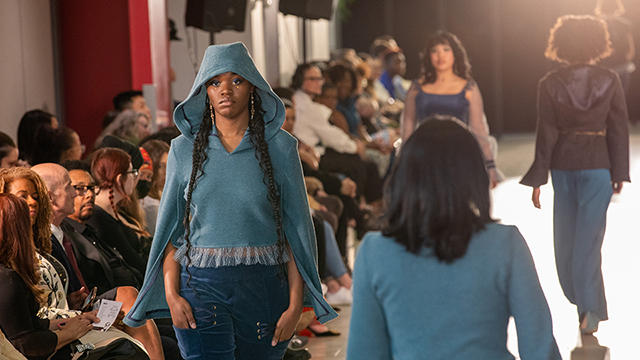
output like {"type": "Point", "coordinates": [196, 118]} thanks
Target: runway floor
{"type": "Point", "coordinates": [620, 262]}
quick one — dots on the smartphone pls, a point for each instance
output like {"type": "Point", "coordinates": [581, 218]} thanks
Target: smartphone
{"type": "Point", "coordinates": [88, 302]}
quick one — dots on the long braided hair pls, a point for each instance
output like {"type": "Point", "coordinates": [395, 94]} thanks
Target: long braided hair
{"type": "Point", "coordinates": [256, 133]}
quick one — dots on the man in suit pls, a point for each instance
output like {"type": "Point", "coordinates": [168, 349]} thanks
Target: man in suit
{"type": "Point", "coordinates": [101, 265]}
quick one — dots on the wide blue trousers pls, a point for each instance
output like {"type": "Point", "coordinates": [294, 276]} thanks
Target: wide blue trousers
{"type": "Point", "coordinates": [581, 200]}
{"type": "Point", "coordinates": [236, 310]}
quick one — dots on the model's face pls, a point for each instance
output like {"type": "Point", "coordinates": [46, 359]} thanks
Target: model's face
{"type": "Point", "coordinates": [27, 190]}
{"type": "Point", "coordinates": [10, 160]}
{"type": "Point", "coordinates": [229, 94]}
{"type": "Point", "coordinates": [139, 104]}
{"type": "Point", "coordinates": [289, 120]}
{"type": "Point", "coordinates": [329, 98]}
{"type": "Point", "coordinates": [313, 81]}
{"type": "Point", "coordinates": [86, 197]}
{"type": "Point", "coordinates": [442, 57]}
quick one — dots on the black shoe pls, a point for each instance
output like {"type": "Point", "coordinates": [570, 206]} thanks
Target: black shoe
{"type": "Point", "coordinates": [302, 354]}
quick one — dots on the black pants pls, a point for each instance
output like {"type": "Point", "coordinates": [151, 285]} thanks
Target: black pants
{"type": "Point", "coordinates": [363, 173]}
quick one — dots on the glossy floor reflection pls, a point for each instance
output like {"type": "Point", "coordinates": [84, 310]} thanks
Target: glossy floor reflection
{"type": "Point", "coordinates": [620, 262]}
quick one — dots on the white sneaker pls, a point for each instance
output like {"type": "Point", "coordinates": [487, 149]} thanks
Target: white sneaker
{"type": "Point", "coordinates": [340, 297]}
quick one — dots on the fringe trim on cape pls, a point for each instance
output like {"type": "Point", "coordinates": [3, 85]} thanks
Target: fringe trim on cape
{"type": "Point", "coordinates": [232, 256]}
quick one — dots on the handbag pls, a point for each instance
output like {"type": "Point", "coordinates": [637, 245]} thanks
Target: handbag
{"type": "Point", "coordinates": [113, 344]}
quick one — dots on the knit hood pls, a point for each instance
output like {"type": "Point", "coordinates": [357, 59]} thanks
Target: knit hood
{"type": "Point", "coordinates": [219, 59]}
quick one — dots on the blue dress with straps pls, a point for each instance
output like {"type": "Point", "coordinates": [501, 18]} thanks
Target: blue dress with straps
{"type": "Point", "coordinates": [455, 105]}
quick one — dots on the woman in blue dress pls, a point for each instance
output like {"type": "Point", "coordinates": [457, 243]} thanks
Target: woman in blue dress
{"type": "Point", "coordinates": [447, 88]}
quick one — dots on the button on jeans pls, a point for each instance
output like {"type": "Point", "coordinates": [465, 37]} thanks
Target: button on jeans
{"type": "Point", "coordinates": [236, 310]}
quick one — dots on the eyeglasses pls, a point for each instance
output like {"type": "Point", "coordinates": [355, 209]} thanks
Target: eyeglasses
{"type": "Point", "coordinates": [133, 173]}
{"type": "Point", "coordinates": [314, 78]}
{"type": "Point", "coordinates": [81, 190]}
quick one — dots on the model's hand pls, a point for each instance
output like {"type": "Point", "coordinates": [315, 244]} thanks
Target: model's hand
{"type": "Point", "coordinates": [286, 325]}
{"type": "Point", "coordinates": [617, 187]}
{"type": "Point", "coordinates": [181, 313]}
{"type": "Point", "coordinates": [535, 197]}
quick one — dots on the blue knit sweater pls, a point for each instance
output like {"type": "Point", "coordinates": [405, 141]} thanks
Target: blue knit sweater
{"type": "Point", "coordinates": [232, 220]}
{"type": "Point", "coordinates": [408, 306]}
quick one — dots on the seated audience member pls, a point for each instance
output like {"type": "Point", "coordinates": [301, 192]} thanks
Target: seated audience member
{"type": "Point", "coordinates": [467, 274]}
{"type": "Point", "coordinates": [391, 83]}
{"type": "Point", "coordinates": [101, 265]}
{"type": "Point", "coordinates": [62, 196]}
{"type": "Point", "coordinates": [9, 153]}
{"type": "Point", "coordinates": [344, 79]}
{"type": "Point", "coordinates": [340, 153]}
{"type": "Point", "coordinates": [56, 145]}
{"type": "Point", "coordinates": [158, 151]}
{"type": "Point", "coordinates": [112, 170]}
{"type": "Point", "coordinates": [129, 125]}
{"type": "Point", "coordinates": [28, 128]}
{"type": "Point", "coordinates": [133, 100]}
{"type": "Point", "coordinates": [329, 98]}
{"type": "Point", "coordinates": [20, 295]}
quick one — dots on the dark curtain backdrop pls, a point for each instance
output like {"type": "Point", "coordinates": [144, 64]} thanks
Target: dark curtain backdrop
{"type": "Point", "coordinates": [518, 40]}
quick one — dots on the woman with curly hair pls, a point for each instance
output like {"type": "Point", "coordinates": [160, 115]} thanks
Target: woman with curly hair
{"type": "Point", "coordinates": [234, 253]}
{"type": "Point", "coordinates": [447, 88]}
{"type": "Point", "coordinates": [583, 138]}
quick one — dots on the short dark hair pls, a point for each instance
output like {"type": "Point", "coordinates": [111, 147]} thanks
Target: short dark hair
{"type": "Point", "coordinates": [298, 76]}
{"type": "Point", "coordinates": [338, 71]}
{"type": "Point", "coordinates": [125, 99]}
{"type": "Point", "coordinates": [438, 191]}
{"type": "Point", "coordinates": [71, 165]}
{"type": "Point", "coordinates": [461, 65]}
{"type": "Point", "coordinates": [29, 125]}
{"type": "Point", "coordinates": [6, 145]}
{"type": "Point", "coordinates": [578, 39]}
{"type": "Point", "coordinates": [50, 143]}
{"type": "Point", "coordinates": [284, 93]}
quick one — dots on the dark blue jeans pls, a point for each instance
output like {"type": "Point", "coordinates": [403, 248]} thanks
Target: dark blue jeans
{"type": "Point", "coordinates": [236, 310]}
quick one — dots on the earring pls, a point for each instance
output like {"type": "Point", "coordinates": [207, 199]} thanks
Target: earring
{"type": "Point", "coordinates": [213, 119]}
{"type": "Point", "coordinates": [253, 110]}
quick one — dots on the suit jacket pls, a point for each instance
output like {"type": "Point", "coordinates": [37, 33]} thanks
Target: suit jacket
{"type": "Point", "coordinates": [57, 251]}
{"type": "Point", "coordinates": [101, 266]}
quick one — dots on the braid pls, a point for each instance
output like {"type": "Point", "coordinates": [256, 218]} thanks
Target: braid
{"type": "Point", "coordinates": [200, 146]}
{"type": "Point", "coordinates": [256, 130]}
{"type": "Point", "coordinates": [113, 205]}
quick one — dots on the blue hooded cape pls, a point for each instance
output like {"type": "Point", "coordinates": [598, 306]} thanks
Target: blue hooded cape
{"type": "Point", "coordinates": [229, 205]}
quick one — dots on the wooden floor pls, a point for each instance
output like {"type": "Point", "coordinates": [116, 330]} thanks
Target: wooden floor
{"type": "Point", "coordinates": [621, 262]}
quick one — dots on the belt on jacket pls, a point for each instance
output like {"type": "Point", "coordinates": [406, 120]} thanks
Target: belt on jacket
{"type": "Point", "coordinates": [589, 133]}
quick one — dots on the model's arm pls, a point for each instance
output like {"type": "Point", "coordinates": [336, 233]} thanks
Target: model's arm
{"type": "Point", "coordinates": [618, 137]}
{"type": "Point", "coordinates": [408, 122]}
{"type": "Point", "coordinates": [181, 313]}
{"type": "Point", "coordinates": [527, 303]}
{"type": "Point", "coordinates": [547, 134]}
{"type": "Point", "coordinates": [289, 319]}
{"type": "Point", "coordinates": [480, 128]}
{"type": "Point", "coordinates": [368, 335]}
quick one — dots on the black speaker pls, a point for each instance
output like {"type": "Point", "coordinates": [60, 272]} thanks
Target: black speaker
{"type": "Point", "coordinates": [216, 15]}
{"type": "Point", "coordinates": [310, 9]}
